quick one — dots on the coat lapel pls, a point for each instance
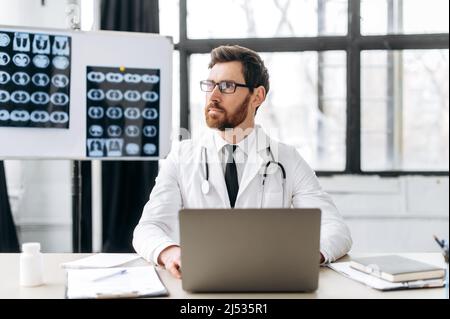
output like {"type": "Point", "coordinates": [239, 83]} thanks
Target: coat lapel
{"type": "Point", "coordinates": [216, 177]}
{"type": "Point", "coordinates": [257, 157]}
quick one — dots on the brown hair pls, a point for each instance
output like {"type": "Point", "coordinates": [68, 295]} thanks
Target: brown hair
{"type": "Point", "coordinates": [253, 68]}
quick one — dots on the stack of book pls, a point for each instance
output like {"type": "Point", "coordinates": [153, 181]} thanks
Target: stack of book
{"type": "Point", "coordinates": [395, 268]}
{"type": "Point", "coordinates": [391, 272]}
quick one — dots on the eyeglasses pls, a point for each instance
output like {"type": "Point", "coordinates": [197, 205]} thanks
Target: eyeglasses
{"type": "Point", "coordinates": [227, 87]}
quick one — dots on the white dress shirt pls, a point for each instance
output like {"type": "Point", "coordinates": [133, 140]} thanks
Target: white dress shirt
{"type": "Point", "coordinates": [240, 154]}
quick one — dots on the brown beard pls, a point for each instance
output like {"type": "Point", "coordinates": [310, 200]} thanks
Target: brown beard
{"type": "Point", "coordinates": [229, 120]}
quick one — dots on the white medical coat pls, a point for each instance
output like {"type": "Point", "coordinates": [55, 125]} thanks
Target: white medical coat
{"type": "Point", "coordinates": [179, 181]}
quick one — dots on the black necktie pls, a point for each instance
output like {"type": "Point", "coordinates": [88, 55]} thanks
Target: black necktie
{"type": "Point", "coordinates": [231, 177]}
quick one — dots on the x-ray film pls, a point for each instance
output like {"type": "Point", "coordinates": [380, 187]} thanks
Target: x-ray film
{"type": "Point", "coordinates": [34, 80]}
{"type": "Point", "coordinates": [122, 118]}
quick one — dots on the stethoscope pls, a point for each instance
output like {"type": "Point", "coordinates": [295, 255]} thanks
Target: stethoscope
{"type": "Point", "coordinates": [205, 183]}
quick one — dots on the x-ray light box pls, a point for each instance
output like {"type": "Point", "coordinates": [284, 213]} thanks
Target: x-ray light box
{"type": "Point", "coordinates": [83, 95]}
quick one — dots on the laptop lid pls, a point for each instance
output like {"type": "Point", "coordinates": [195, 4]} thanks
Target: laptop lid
{"type": "Point", "coordinates": [230, 250]}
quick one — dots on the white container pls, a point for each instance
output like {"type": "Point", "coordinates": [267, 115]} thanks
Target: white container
{"type": "Point", "coordinates": [31, 265]}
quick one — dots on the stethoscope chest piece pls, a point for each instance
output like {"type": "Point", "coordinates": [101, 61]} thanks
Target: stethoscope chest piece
{"type": "Point", "coordinates": [205, 187]}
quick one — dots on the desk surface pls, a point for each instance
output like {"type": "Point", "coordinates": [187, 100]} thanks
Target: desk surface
{"type": "Point", "coordinates": [331, 284]}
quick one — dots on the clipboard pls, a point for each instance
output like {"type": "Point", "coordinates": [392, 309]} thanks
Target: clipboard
{"type": "Point", "coordinates": [124, 282]}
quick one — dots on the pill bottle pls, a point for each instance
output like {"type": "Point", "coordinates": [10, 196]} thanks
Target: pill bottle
{"type": "Point", "coordinates": [31, 265]}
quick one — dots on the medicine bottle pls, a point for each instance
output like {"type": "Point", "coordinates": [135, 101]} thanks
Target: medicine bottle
{"type": "Point", "coordinates": [31, 265]}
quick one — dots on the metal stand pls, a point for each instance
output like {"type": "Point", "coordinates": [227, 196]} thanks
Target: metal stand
{"type": "Point", "coordinates": [76, 207]}
{"type": "Point", "coordinates": [73, 19]}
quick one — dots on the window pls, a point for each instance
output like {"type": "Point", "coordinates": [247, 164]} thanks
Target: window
{"type": "Point", "coordinates": [265, 18]}
{"type": "Point", "coordinates": [404, 16]}
{"type": "Point", "coordinates": [350, 79]}
{"type": "Point", "coordinates": [318, 107]}
{"type": "Point", "coordinates": [405, 109]}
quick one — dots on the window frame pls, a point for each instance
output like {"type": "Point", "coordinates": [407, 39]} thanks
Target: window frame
{"type": "Point", "coordinates": [353, 44]}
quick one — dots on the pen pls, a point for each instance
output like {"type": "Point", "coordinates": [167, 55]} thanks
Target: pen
{"type": "Point", "coordinates": [441, 243]}
{"type": "Point", "coordinates": [444, 246]}
{"type": "Point", "coordinates": [120, 272]}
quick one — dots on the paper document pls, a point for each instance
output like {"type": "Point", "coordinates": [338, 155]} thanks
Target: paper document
{"type": "Point", "coordinates": [129, 282]}
{"type": "Point", "coordinates": [101, 261]}
{"type": "Point", "coordinates": [381, 284]}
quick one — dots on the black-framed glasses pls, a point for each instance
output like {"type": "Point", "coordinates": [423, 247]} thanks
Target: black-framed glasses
{"type": "Point", "coordinates": [227, 87]}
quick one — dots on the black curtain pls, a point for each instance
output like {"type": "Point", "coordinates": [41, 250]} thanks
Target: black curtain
{"type": "Point", "coordinates": [126, 184]}
{"type": "Point", "coordinates": [8, 236]}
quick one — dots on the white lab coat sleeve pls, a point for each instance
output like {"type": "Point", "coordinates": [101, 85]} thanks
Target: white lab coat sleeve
{"type": "Point", "coordinates": [157, 226]}
{"type": "Point", "coordinates": [335, 238]}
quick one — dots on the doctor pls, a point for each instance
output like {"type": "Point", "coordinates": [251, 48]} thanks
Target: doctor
{"type": "Point", "coordinates": [235, 165]}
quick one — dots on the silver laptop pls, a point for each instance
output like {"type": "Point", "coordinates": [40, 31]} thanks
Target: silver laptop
{"type": "Point", "coordinates": [263, 250]}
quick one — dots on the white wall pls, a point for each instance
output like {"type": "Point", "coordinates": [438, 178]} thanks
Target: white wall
{"type": "Point", "coordinates": [31, 13]}
{"type": "Point", "coordinates": [40, 197]}
{"type": "Point", "coordinates": [392, 214]}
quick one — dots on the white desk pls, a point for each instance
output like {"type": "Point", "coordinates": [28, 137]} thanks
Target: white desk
{"type": "Point", "coordinates": [331, 284]}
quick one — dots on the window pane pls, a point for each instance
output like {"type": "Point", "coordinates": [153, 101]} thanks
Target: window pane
{"type": "Point", "coordinates": [292, 112]}
{"type": "Point", "coordinates": [265, 18]}
{"type": "Point", "coordinates": [405, 110]}
{"type": "Point", "coordinates": [404, 16]}
{"type": "Point", "coordinates": [169, 19]}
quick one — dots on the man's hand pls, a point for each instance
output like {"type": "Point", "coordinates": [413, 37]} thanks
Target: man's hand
{"type": "Point", "coordinates": [322, 259]}
{"type": "Point", "coordinates": [170, 258]}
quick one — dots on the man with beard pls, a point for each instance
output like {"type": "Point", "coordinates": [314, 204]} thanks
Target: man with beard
{"type": "Point", "coordinates": [222, 170]}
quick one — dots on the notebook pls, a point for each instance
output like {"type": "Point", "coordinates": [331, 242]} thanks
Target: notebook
{"type": "Point", "coordinates": [396, 268]}
{"type": "Point", "coordinates": [121, 282]}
